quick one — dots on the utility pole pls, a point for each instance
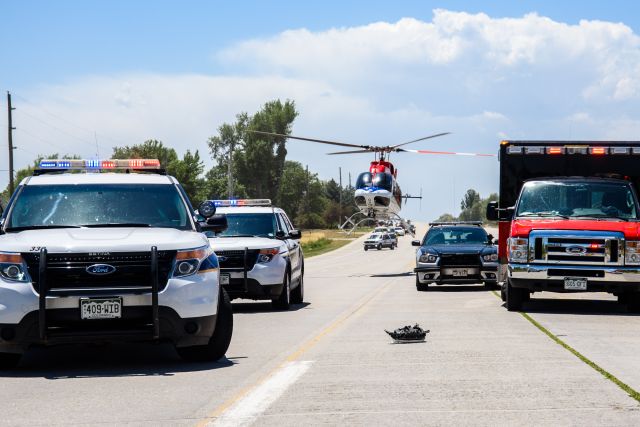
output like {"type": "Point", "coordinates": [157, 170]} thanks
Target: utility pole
{"type": "Point", "coordinates": [229, 173]}
{"type": "Point", "coordinates": [10, 130]}
{"type": "Point", "coordinates": [340, 208]}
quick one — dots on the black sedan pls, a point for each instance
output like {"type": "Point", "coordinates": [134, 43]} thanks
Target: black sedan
{"type": "Point", "coordinates": [456, 253]}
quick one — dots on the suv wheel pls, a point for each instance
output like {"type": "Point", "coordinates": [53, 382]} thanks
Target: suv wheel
{"type": "Point", "coordinates": [219, 342]}
{"type": "Point", "coordinates": [9, 360]}
{"type": "Point", "coordinates": [284, 300]}
{"type": "Point", "coordinates": [393, 246]}
{"type": "Point", "coordinates": [421, 287]}
{"type": "Point", "coordinates": [379, 247]}
{"type": "Point", "coordinates": [297, 295]}
{"type": "Point", "coordinates": [514, 297]}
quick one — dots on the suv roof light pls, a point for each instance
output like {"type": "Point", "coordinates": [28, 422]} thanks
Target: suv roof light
{"type": "Point", "coordinates": [479, 223]}
{"type": "Point", "coordinates": [598, 151]}
{"type": "Point", "coordinates": [242, 202]}
{"type": "Point", "coordinates": [94, 164]}
{"type": "Point", "coordinates": [619, 150]}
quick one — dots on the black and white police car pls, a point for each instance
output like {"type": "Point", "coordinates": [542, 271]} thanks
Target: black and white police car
{"type": "Point", "coordinates": [103, 256]}
{"type": "Point", "coordinates": [456, 253]}
{"type": "Point", "coordinates": [259, 253]}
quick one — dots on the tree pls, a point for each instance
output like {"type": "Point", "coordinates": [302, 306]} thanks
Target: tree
{"type": "Point", "coordinates": [470, 198]}
{"type": "Point", "coordinates": [294, 184]}
{"type": "Point", "coordinates": [187, 171]}
{"type": "Point", "coordinates": [446, 218]}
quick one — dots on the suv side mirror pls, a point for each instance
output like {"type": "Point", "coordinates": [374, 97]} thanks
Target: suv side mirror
{"type": "Point", "coordinates": [207, 209]}
{"type": "Point", "coordinates": [280, 234]}
{"type": "Point", "coordinates": [416, 243]}
{"type": "Point", "coordinates": [295, 234]}
{"type": "Point", "coordinates": [215, 223]}
{"type": "Point", "coordinates": [490, 239]}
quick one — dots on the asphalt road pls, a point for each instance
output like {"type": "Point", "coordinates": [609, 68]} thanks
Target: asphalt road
{"type": "Point", "coordinates": [328, 361]}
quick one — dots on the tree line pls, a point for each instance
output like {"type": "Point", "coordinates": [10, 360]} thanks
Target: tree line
{"type": "Point", "coordinates": [246, 165]}
{"type": "Point", "coordinates": [473, 207]}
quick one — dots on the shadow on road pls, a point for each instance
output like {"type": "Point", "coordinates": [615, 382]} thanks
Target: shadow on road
{"type": "Point", "coordinates": [457, 288]}
{"type": "Point", "coordinates": [109, 361]}
{"type": "Point", "coordinates": [263, 307]}
{"type": "Point", "coordinates": [576, 306]}
{"type": "Point", "coordinates": [406, 274]}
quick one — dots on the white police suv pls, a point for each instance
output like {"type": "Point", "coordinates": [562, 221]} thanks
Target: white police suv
{"type": "Point", "coordinates": [259, 253]}
{"type": "Point", "coordinates": [89, 256]}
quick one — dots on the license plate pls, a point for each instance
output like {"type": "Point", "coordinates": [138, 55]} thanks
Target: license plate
{"type": "Point", "coordinates": [100, 308]}
{"type": "Point", "coordinates": [224, 279]}
{"type": "Point", "coordinates": [459, 272]}
{"type": "Point", "coordinates": [575, 284]}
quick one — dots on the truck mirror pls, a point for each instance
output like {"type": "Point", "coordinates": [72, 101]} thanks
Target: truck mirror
{"type": "Point", "coordinates": [216, 224]}
{"type": "Point", "coordinates": [416, 243]}
{"type": "Point", "coordinates": [492, 211]}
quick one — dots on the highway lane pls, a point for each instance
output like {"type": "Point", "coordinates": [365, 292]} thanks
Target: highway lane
{"type": "Point", "coordinates": [328, 361]}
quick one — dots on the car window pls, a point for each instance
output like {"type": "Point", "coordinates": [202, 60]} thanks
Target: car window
{"type": "Point", "coordinates": [287, 221]}
{"type": "Point", "coordinates": [456, 235]}
{"type": "Point", "coordinates": [282, 224]}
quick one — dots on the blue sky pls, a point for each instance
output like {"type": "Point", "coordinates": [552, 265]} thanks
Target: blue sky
{"type": "Point", "coordinates": [123, 71]}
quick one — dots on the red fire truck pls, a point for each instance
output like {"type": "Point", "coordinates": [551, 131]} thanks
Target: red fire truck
{"type": "Point", "coordinates": [569, 219]}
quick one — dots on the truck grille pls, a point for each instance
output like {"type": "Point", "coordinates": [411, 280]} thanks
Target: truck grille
{"type": "Point", "coordinates": [453, 260]}
{"type": "Point", "coordinates": [235, 259]}
{"type": "Point", "coordinates": [576, 247]}
{"type": "Point", "coordinates": [69, 271]}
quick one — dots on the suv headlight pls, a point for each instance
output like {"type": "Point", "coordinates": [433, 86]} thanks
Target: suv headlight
{"type": "Point", "coordinates": [188, 261]}
{"type": "Point", "coordinates": [266, 255]}
{"type": "Point", "coordinates": [428, 258]}
{"type": "Point", "coordinates": [632, 252]}
{"type": "Point", "coordinates": [13, 267]}
{"type": "Point", "coordinates": [490, 257]}
{"type": "Point", "coordinates": [518, 249]}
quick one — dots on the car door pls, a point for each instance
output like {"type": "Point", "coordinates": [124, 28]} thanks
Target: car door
{"type": "Point", "coordinates": [292, 244]}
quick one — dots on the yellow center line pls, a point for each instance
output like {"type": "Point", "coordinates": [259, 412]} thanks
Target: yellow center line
{"type": "Point", "coordinates": [295, 355]}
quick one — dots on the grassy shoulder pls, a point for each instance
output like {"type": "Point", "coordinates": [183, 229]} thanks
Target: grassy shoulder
{"type": "Point", "coordinates": [317, 242]}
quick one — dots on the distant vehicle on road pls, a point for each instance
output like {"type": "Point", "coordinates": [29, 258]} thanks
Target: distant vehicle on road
{"type": "Point", "coordinates": [455, 253]}
{"type": "Point", "coordinates": [379, 241]}
{"type": "Point", "coordinates": [399, 231]}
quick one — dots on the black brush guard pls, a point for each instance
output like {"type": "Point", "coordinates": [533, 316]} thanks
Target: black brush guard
{"type": "Point", "coordinates": [153, 332]}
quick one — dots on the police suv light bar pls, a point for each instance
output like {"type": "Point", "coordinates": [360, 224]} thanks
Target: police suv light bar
{"type": "Point", "coordinates": [242, 202]}
{"type": "Point", "coordinates": [455, 223]}
{"type": "Point", "coordinates": [95, 164]}
{"type": "Point", "coordinates": [571, 149]}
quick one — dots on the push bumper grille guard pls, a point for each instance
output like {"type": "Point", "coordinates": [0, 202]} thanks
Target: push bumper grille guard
{"type": "Point", "coordinates": [246, 267]}
{"type": "Point", "coordinates": [43, 291]}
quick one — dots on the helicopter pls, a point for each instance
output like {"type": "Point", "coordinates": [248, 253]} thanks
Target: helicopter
{"type": "Point", "coordinates": [377, 193]}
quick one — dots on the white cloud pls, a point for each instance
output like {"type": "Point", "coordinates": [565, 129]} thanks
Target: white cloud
{"type": "Point", "coordinates": [480, 77]}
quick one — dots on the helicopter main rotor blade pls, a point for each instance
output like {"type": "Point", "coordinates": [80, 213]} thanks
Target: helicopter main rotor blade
{"type": "Point", "coordinates": [321, 141]}
{"type": "Point", "coordinates": [421, 139]}
{"type": "Point", "coordinates": [446, 153]}
{"type": "Point", "coordinates": [350, 152]}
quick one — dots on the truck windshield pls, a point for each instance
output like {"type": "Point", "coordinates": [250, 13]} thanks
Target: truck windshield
{"type": "Point", "coordinates": [250, 224]}
{"type": "Point", "coordinates": [95, 205]}
{"type": "Point", "coordinates": [576, 199]}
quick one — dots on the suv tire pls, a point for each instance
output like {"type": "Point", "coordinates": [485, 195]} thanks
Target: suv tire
{"type": "Point", "coordinates": [421, 287]}
{"type": "Point", "coordinates": [514, 297]}
{"type": "Point", "coordinates": [284, 300]}
{"type": "Point", "coordinates": [297, 295]}
{"type": "Point", "coordinates": [379, 247]}
{"type": "Point", "coordinates": [219, 341]}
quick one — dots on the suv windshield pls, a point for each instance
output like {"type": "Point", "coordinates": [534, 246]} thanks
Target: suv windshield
{"type": "Point", "coordinates": [250, 224]}
{"type": "Point", "coordinates": [572, 199]}
{"type": "Point", "coordinates": [95, 205]}
{"type": "Point", "coordinates": [456, 236]}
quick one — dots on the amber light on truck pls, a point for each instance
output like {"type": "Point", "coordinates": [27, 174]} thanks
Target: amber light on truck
{"type": "Point", "coordinates": [518, 249]}
{"type": "Point", "coordinates": [632, 252]}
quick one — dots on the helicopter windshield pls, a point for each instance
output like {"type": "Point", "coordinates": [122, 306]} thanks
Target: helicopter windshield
{"type": "Point", "coordinates": [364, 180]}
{"type": "Point", "coordinates": [382, 181]}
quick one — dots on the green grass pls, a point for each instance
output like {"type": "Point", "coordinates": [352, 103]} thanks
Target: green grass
{"type": "Point", "coordinates": [321, 246]}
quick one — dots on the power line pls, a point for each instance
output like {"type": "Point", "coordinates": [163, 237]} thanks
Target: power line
{"type": "Point", "coordinates": [45, 141]}
{"type": "Point", "coordinates": [68, 121]}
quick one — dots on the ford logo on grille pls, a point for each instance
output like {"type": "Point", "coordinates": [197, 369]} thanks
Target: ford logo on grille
{"type": "Point", "coordinates": [100, 269]}
{"type": "Point", "coordinates": [576, 250]}
{"type": "Point", "coordinates": [222, 258]}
